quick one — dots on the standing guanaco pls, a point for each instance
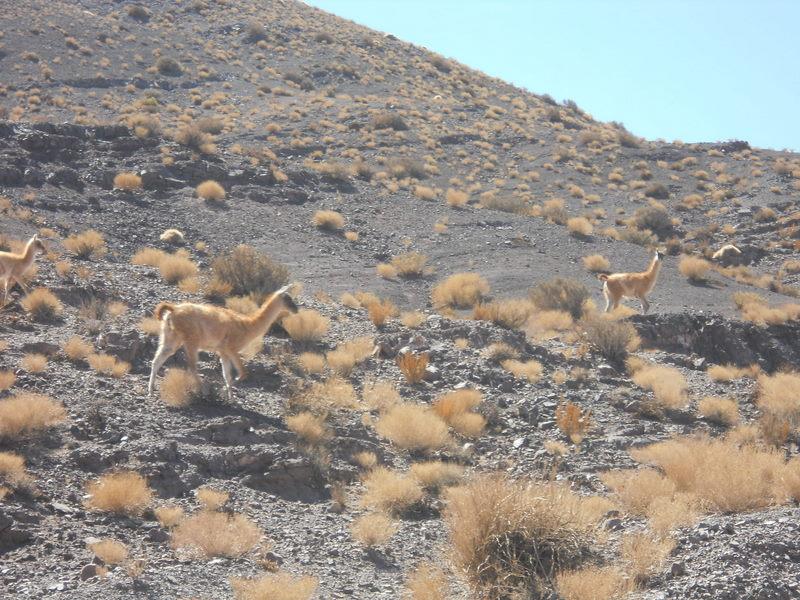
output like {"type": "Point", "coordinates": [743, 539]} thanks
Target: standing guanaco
{"type": "Point", "coordinates": [13, 265]}
{"type": "Point", "coordinates": [631, 285]}
{"type": "Point", "coordinates": [204, 327]}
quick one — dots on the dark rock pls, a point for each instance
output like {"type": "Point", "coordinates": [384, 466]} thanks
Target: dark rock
{"type": "Point", "coordinates": [89, 571]}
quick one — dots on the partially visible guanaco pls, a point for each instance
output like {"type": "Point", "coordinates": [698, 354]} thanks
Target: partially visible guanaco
{"type": "Point", "coordinates": [631, 285]}
{"type": "Point", "coordinates": [13, 265]}
{"type": "Point", "coordinates": [204, 327]}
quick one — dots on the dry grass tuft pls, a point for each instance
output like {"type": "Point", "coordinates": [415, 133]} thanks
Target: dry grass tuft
{"type": "Point", "coordinates": [213, 534]}
{"type": "Point", "coordinates": [277, 586]}
{"type": "Point", "coordinates": [596, 263]}
{"type": "Point", "coordinates": [366, 460]}
{"type": "Point", "coordinates": [42, 305]}
{"type": "Point", "coordinates": [309, 427]}
{"type": "Point", "coordinates": [462, 290]}
{"type": "Point", "coordinates": [410, 265]}
{"type": "Point", "coordinates": [531, 370]}
{"type": "Point", "coordinates": [560, 294]}
{"type": "Point", "coordinates": [128, 182]}
{"type": "Point", "coordinates": [456, 198]}
{"type": "Point", "coordinates": [390, 492]}
{"type": "Point", "coordinates": [111, 552]}
{"type": "Point", "coordinates": [573, 422]}
{"type": "Point", "coordinates": [426, 582]}
{"type": "Point", "coordinates": [332, 393]}
{"type": "Point", "coordinates": [413, 366]}
{"type": "Point", "coordinates": [329, 220]}
{"type": "Point", "coordinates": [75, 348]}
{"type": "Point", "coordinates": [12, 472]}
{"type": "Point", "coordinates": [311, 363]}
{"type": "Point", "coordinates": [306, 325]}
{"type": "Point", "coordinates": [34, 362]}
{"type": "Point", "coordinates": [373, 529]}
{"type": "Point", "coordinates": [245, 270]}
{"type": "Point", "coordinates": [511, 314]}
{"type": "Point", "coordinates": [346, 356]}
{"type": "Point", "coordinates": [84, 245]}
{"type": "Point", "coordinates": [731, 372]}
{"type": "Point", "coordinates": [413, 427]}
{"type": "Point", "coordinates": [644, 554]}
{"type": "Point", "coordinates": [150, 257]}
{"type": "Point", "coordinates": [380, 311]}
{"type": "Point", "coordinates": [611, 338]}
{"type": "Point", "coordinates": [26, 413]}
{"type": "Point", "coordinates": [169, 516]}
{"type": "Point", "coordinates": [210, 191]}
{"type": "Point", "coordinates": [593, 583]}
{"type": "Point", "coordinates": [175, 268]}
{"type": "Point", "coordinates": [667, 384]}
{"type": "Point", "coordinates": [412, 319]}
{"type": "Point", "coordinates": [580, 226]}
{"type": "Point", "coordinates": [636, 489]}
{"type": "Point", "coordinates": [508, 536]}
{"type": "Point", "coordinates": [210, 498]}
{"type": "Point", "coordinates": [125, 493]}
{"type": "Point", "coordinates": [380, 395]}
{"type": "Point", "coordinates": [455, 408]}
{"type": "Point", "coordinates": [434, 475]}
{"type": "Point", "coordinates": [722, 411]}
{"type": "Point", "coordinates": [7, 379]}
{"type": "Point", "coordinates": [105, 364]}
{"type": "Point", "coordinates": [779, 397]}
{"type": "Point", "coordinates": [694, 268]}
{"type": "Point", "coordinates": [178, 388]}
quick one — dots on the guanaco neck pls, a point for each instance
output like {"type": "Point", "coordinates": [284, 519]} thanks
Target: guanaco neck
{"type": "Point", "coordinates": [653, 269]}
{"type": "Point", "coordinates": [261, 320]}
{"type": "Point", "coordinates": [28, 253]}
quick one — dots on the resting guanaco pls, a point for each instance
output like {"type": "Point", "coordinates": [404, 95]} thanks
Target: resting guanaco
{"type": "Point", "coordinates": [13, 265]}
{"type": "Point", "coordinates": [631, 285]}
{"type": "Point", "coordinates": [204, 327]}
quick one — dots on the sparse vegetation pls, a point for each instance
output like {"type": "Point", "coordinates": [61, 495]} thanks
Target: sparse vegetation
{"type": "Point", "coordinates": [246, 270]}
{"type": "Point", "coordinates": [306, 325]}
{"type": "Point", "coordinates": [125, 493]}
{"type": "Point", "coordinates": [42, 305]}
{"type": "Point", "coordinates": [89, 244]}
{"type": "Point", "coordinates": [25, 413]}
{"type": "Point", "coordinates": [462, 290]}
{"type": "Point", "coordinates": [329, 220]}
{"type": "Point", "coordinates": [211, 534]}
{"type": "Point", "coordinates": [274, 586]}
{"type": "Point", "coordinates": [413, 427]}
{"type": "Point", "coordinates": [210, 191]}
{"type": "Point", "coordinates": [178, 388]}
{"type": "Point", "coordinates": [560, 294]}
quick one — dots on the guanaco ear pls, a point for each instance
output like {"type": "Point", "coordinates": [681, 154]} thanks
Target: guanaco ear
{"type": "Point", "coordinates": [35, 237]}
{"type": "Point", "coordinates": [283, 290]}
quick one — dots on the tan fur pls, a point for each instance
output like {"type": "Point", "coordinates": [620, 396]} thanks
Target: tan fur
{"type": "Point", "coordinates": [725, 251]}
{"type": "Point", "coordinates": [13, 265]}
{"type": "Point", "coordinates": [225, 332]}
{"type": "Point", "coordinates": [631, 285]}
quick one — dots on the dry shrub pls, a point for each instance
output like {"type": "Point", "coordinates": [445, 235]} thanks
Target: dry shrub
{"type": "Point", "coordinates": [511, 314]}
{"type": "Point", "coordinates": [410, 264]}
{"type": "Point", "coordinates": [667, 384]}
{"type": "Point", "coordinates": [311, 363]}
{"type": "Point", "coordinates": [178, 388]}
{"type": "Point", "coordinates": [306, 325]}
{"type": "Point", "coordinates": [426, 582]}
{"type": "Point", "coordinates": [722, 411]}
{"type": "Point", "coordinates": [34, 362]}
{"type": "Point", "coordinates": [210, 191]}
{"type": "Point", "coordinates": [456, 198]}
{"type": "Point", "coordinates": [331, 393]}
{"type": "Point", "coordinates": [12, 471]}
{"type": "Point", "coordinates": [150, 326]}
{"type": "Point", "coordinates": [754, 308]}
{"type": "Point", "coordinates": [213, 534]}
{"type": "Point", "coordinates": [644, 554]}
{"type": "Point", "coordinates": [530, 369]}
{"type": "Point", "coordinates": [193, 137]}
{"type": "Point", "coordinates": [580, 226]}
{"type": "Point", "coordinates": [128, 182]}
{"type": "Point", "coordinates": [457, 402]}
{"type": "Point", "coordinates": [169, 516]}
{"type": "Point", "coordinates": [173, 236]}
{"type": "Point", "coordinates": [548, 323]}
{"type": "Point", "coordinates": [87, 244]}
{"type": "Point", "coordinates": [596, 263]}
{"type": "Point", "coordinates": [423, 192]}
{"type": "Point", "coordinates": [573, 422]}
{"type": "Point", "coordinates": [42, 305]}
{"type": "Point", "coordinates": [497, 352]}
{"type": "Point", "coordinates": [7, 379]}
{"type": "Point", "coordinates": [26, 413]}
{"type": "Point", "coordinates": [508, 536]}
{"type": "Point", "coordinates": [275, 586]}
{"type": "Point", "coordinates": [636, 489]}
{"type": "Point", "coordinates": [373, 529]}
{"type": "Point", "coordinates": [175, 268]}
{"type": "Point", "coordinates": [462, 290]}
{"type": "Point", "coordinates": [654, 218]}
{"type": "Point", "coordinates": [241, 304]}
{"type": "Point", "coordinates": [125, 493]}
{"type": "Point", "coordinates": [168, 66]}
{"type": "Point", "coordinates": [211, 499]}
{"type": "Point", "coordinates": [725, 477]}
{"type": "Point", "coordinates": [413, 366]}
{"type": "Point", "coordinates": [111, 552]}
{"type": "Point", "coordinates": [380, 395]}
{"type": "Point", "coordinates": [560, 294]}
{"type": "Point", "coordinates": [779, 396]}
{"type": "Point", "coordinates": [593, 583]}
{"type": "Point", "coordinates": [434, 475]}
{"type": "Point", "coordinates": [387, 120]}
{"type": "Point", "coordinates": [380, 311]}
{"type": "Point", "coordinates": [346, 356]}
{"type": "Point", "coordinates": [412, 319]}
{"type": "Point", "coordinates": [553, 210]}
{"type": "Point", "coordinates": [366, 460]}
{"type": "Point", "coordinates": [150, 257]}
{"type": "Point", "coordinates": [329, 220]}
{"type": "Point", "coordinates": [390, 492]}
{"type": "Point", "coordinates": [413, 427]}
{"type": "Point", "coordinates": [247, 271]}
{"type": "Point", "coordinates": [105, 364]}
{"type": "Point", "coordinates": [694, 268]}
{"type": "Point", "coordinates": [613, 339]}
{"type": "Point", "coordinates": [386, 271]}
{"type": "Point", "coordinates": [730, 372]}
{"type": "Point", "coordinates": [309, 427]}
{"type": "Point", "coordinates": [666, 513]}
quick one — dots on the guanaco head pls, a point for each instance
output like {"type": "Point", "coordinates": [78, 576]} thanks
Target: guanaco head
{"type": "Point", "coordinates": [37, 244]}
{"type": "Point", "coordinates": [659, 255]}
{"type": "Point", "coordinates": [288, 302]}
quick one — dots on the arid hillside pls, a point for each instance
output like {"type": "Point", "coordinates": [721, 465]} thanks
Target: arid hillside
{"type": "Point", "coordinates": [447, 412]}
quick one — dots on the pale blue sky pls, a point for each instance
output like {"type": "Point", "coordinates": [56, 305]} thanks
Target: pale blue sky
{"type": "Point", "coordinates": [691, 70]}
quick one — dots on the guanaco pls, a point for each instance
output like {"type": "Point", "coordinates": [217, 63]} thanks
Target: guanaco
{"type": "Point", "coordinates": [631, 285]}
{"type": "Point", "coordinates": [13, 265]}
{"type": "Point", "coordinates": [225, 332]}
